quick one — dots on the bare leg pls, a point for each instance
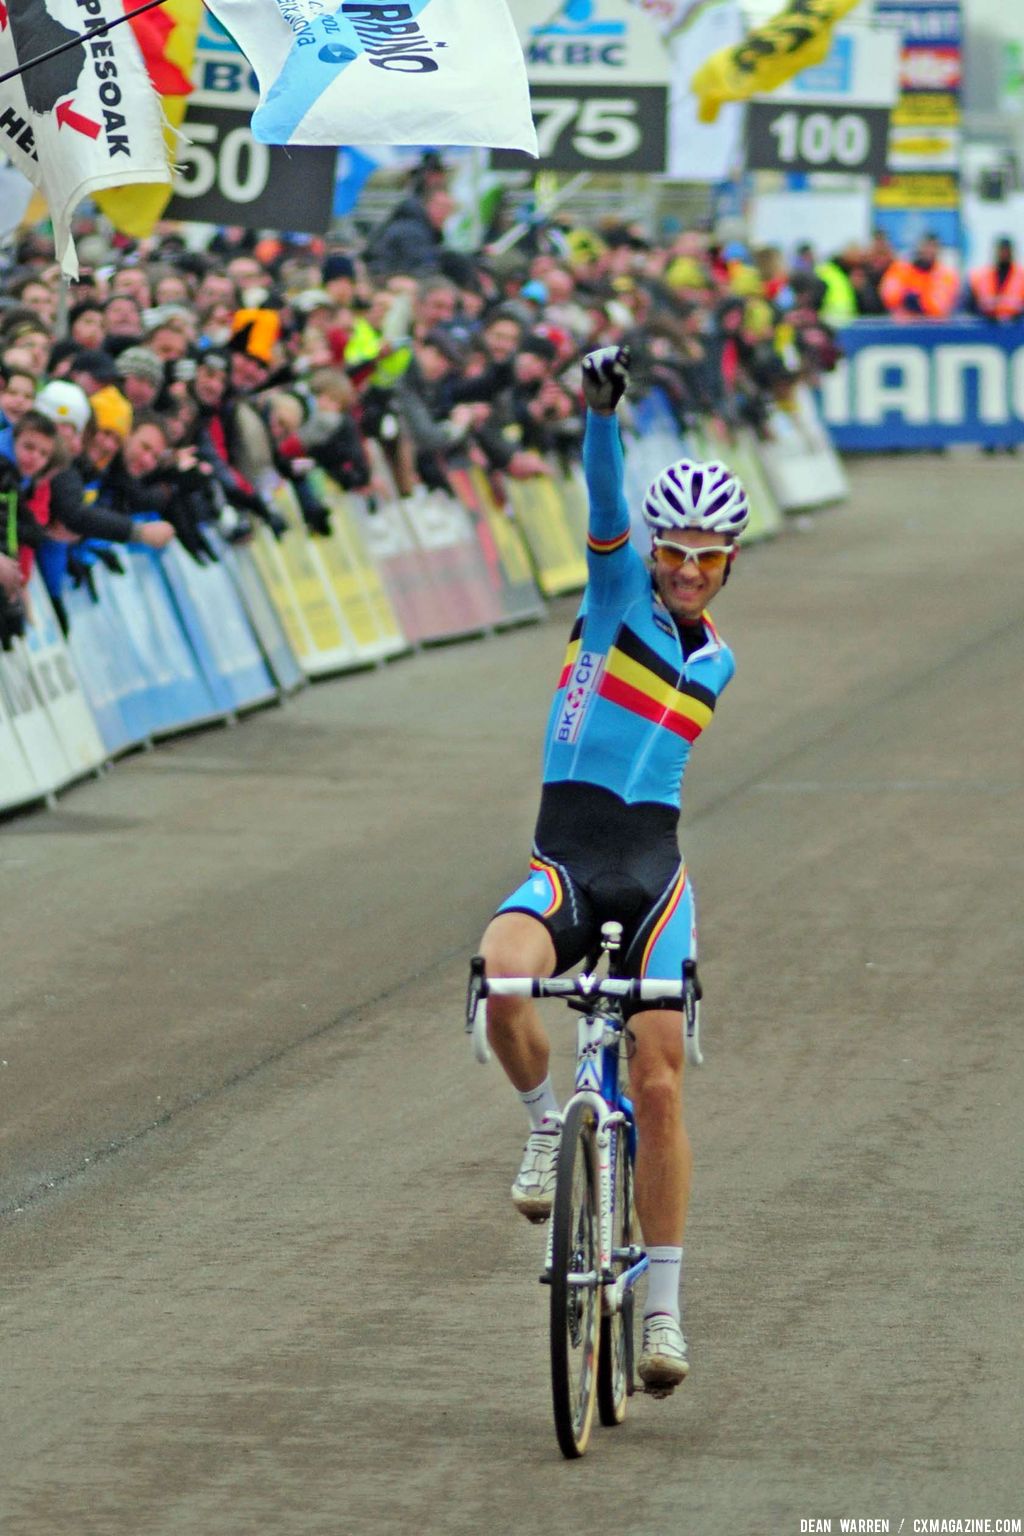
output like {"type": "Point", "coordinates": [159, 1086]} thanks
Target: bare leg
{"type": "Point", "coordinates": [664, 1160]}
{"type": "Point", "coordinates": [516, 944]}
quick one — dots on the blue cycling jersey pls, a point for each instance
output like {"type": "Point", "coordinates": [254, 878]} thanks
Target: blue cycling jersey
{"type": "Point", "coordinates": [629, 703]}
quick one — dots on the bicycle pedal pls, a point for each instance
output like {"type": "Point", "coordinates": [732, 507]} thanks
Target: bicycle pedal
{"type": "Point", "coordinates": [545, 1278]}
{"type": "Point", "coordinates": [659, 1391]}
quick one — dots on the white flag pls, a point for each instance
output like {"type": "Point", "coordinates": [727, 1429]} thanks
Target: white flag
{"type": "Point", "coordinates": [423, 72]}
{"type": "Point", "coordinates": [84, 120]}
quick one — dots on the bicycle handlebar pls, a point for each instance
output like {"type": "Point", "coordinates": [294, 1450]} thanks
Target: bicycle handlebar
{"type": "Point", "coordinates": [634, 991]}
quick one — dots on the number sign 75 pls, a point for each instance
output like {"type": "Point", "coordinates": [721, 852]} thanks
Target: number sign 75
{"type": "Point", "coordinates": [605, 129]}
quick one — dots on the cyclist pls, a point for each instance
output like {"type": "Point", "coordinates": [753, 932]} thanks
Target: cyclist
{"type": "Point", "coordinates": [644, 669]}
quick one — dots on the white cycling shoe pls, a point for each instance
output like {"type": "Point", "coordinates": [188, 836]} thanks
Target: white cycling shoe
{"type": "Point", "coordinates": [533, 1189]}
{"type": "Point", "coordinates": [664, 1355]}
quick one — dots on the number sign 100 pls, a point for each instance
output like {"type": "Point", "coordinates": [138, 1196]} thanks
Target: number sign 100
{"type": "Point", "coordinates": [819, 139]}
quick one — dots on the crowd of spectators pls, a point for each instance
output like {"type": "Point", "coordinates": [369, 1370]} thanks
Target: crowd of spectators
{"type": "Point", "coordinates": [166, 389]}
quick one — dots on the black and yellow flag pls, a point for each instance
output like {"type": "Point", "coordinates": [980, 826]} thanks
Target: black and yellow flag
{"type": "Point", "coordinates": [799, 36]}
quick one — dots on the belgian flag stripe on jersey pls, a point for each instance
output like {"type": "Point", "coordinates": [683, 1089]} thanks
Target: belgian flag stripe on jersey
{"type": "Point", "coordinates": [540, 867]}
{"type": "Point", "coordinates": [632, 646]}
{"type": "Point", "coordinates": [664, 920]}
{"type": "Point", "coordinates": [571, 653]}
{"type": "Point", "coordinates": [653, 705]}
{"type": "Point", "coordinates": [607, 546]}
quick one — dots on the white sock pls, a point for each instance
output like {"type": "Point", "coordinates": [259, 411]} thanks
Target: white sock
{"type": "Point", "coordinates": [664, 1278]}
{"type": "Point", "coordinates": [540, 1101]}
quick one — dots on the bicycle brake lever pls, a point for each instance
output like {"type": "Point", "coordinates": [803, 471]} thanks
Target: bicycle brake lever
{"type": "Point", "coordinates": [475, 992]}
{"type": "Point", "coordinates": [692, 994]}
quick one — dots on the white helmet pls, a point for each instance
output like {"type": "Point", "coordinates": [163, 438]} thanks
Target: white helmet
{"type": "Point", "coordinates": [63, 401]}
{"type": "Point", "coordinates": [692, 495]}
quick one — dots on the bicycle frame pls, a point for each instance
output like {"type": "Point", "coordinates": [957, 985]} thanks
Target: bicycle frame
{"type": "Point", "coordinates": [598, 1039]}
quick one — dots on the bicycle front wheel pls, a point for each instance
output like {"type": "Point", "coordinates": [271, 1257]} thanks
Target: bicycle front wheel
{"type": "Point", "coordinates": [575, 1283]}
{"type": "Point", "coordinates": [615, 1368]}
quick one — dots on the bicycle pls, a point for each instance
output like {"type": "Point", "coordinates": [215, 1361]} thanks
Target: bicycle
{"type": "Point", "coordinates": [594, 1256]}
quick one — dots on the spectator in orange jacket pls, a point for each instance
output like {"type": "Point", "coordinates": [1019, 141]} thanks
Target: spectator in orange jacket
{"type": "Point", "coordinates": [997, 291]}
{"type": "Point", "coordinates": [921, 288]}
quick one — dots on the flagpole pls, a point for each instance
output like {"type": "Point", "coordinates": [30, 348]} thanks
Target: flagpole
{"type": "Point", "coordinates": [513, 236]}
{"type": "Point", "coordinates": [83, 37]}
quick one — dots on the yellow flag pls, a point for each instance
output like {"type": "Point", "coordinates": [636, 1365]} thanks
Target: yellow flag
{"type": "Point", "coordinates": [799, 36]}
{"type": "Point", "coordinates": [167, 38]}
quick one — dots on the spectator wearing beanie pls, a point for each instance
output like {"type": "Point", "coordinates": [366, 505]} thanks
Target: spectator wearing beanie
{"type": "Point", "coordinates": [69, 409]}
{"type": "Point", "coordinates": [338, 276]}
{"type": "Point", "coordinates": [92, 369]}
{"type": "Point", "coordinates": [143, 376]}
{"type": "Point", "coordinates": [112, 422]}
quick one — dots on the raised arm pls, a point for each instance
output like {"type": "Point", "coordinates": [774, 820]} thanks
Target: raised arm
{"type": "Point", "coordinates": [610, 558]}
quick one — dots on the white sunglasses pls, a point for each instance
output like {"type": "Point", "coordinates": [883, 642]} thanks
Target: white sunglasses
{"type": "Point", "coordinates": [710, 557]}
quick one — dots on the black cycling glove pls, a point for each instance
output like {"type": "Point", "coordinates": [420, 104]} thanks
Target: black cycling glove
{"type": "Point", "coordinates": [605, 376]}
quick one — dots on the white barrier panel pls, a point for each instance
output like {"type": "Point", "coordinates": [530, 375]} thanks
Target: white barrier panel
{"type": "Point", "coordinates": [33, 728]}
{"type": "Point", "coordinates": [18, 784]}
{"type": "Point", "coordinates": [60, 688]}
{"type": "Point", "coordinates": [802, 466]}
{"type": "Point", "coordinates": [454, 561]}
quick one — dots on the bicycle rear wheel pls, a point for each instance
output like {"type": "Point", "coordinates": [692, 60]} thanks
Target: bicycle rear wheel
{"type": "Point", "coordinates": [575, 1283]}
{"type": "Point", "coordinates": [615, 1358]}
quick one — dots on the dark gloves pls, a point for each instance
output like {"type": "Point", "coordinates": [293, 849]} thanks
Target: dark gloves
{"type": "Point", "coordinates": [605, 376]}
{"type": "Point", "coordinates": [80, 572]}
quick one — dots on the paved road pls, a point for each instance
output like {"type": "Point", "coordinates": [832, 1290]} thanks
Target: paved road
{"type": "Point", "coordinates": [259, 1269]}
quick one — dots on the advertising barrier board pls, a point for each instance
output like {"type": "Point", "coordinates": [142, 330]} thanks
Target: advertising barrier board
{"type": "Point", "coordinates": [18, 784]}
{"type": "Point", "coordinates": [215, 621]}
{"type": "Point", "coordinates": [354, 577]}
{"type": "Point", "coordinates": [453, 563]}
{"type": "Point", "coordinates": [926, 385]}
{"type": "Point", "coordinates": [31, 729]}
{"type": "Point", "coordinates": [297, 581]}
{"type": "Point", "coordinates": [559, 554]}
{"type": "Point", "coordinates": [799, 459]}
{"type": "Point", "coordinates": [59, 686]}
{"type": "Point", "coordinates": [266, 622]}
{"type": "Point", "coordinates": [502, 547]}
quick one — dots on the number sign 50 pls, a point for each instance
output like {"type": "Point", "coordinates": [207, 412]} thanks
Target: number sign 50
{"type": "Point", "coordinates": [239, 168]}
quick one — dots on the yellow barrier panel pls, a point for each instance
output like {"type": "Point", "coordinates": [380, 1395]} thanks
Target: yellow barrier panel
{"type": "Point", "coordinates": [573, 490]}
{"type": "Point", "coordinates": [267, 559]}
{"type": "Point", "coordinates": [508, 540]}
{"type": "Point", "coordinates": [333, 646]}
{"type": "Point", "coordinates": [355, 578]}
{"type": "Point", "coordinates": [559, 558]}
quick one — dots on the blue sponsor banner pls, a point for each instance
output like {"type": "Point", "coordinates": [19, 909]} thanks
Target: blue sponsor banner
{"type": "Point", "coordinates": [139, 674]}
{"type": "Point", "coordinates": [237, 560]}
{"type": "Point", "coordinates": [927, 386]}
{"type": "Point", "coordinates": [219, 631]}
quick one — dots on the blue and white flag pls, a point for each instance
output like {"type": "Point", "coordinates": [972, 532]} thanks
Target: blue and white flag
{"type": "Point", "coordinates": [422, 72]}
